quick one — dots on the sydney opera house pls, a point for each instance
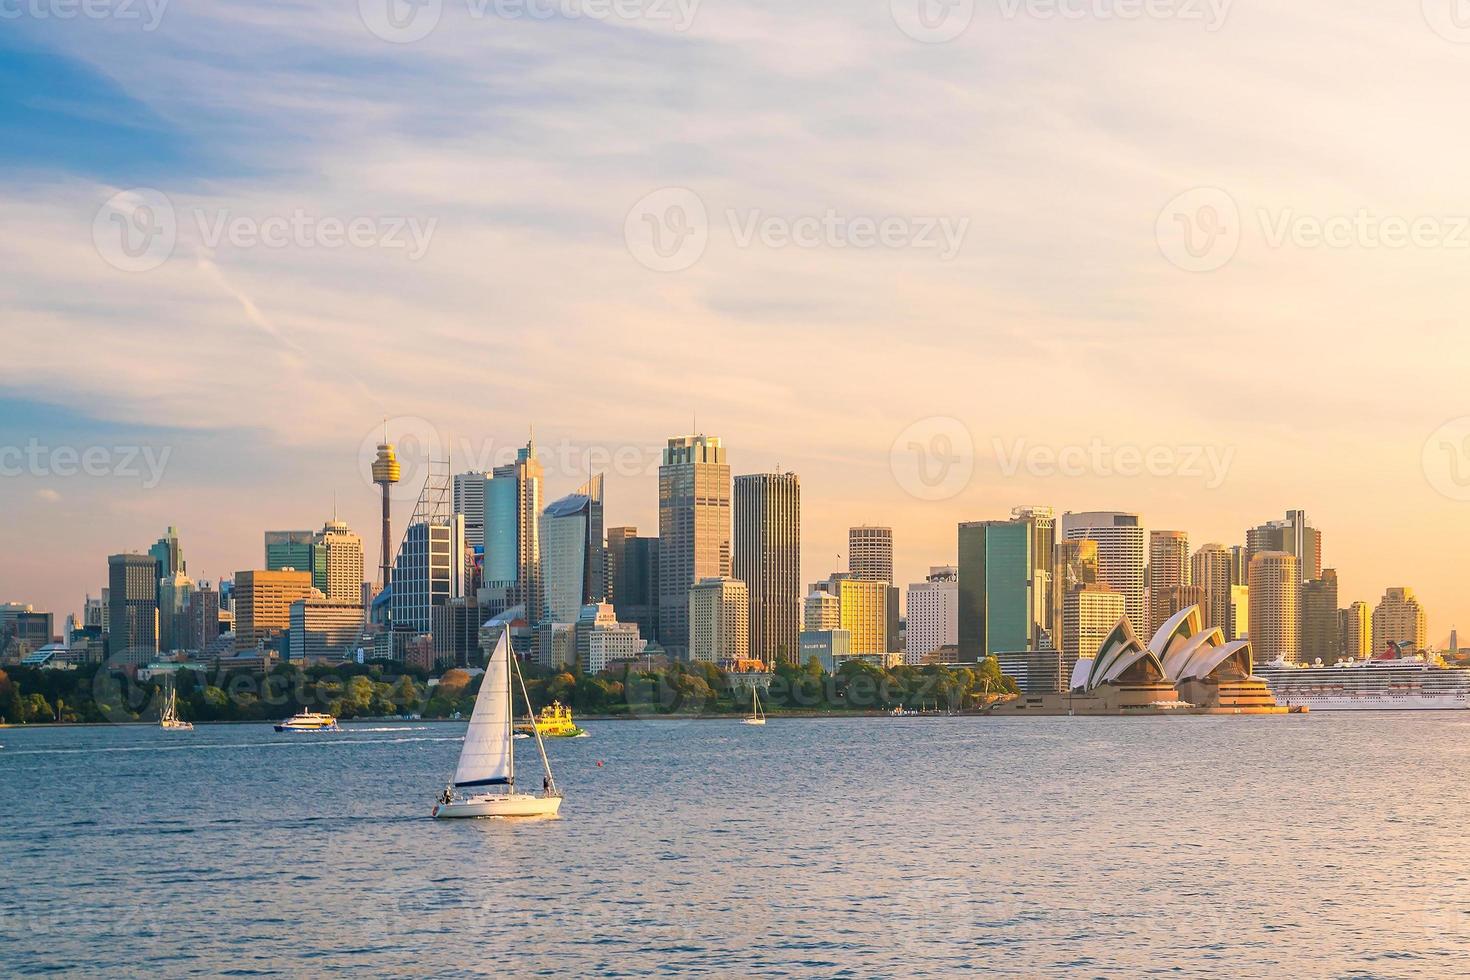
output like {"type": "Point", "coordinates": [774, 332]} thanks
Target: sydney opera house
{"type": "Point", "coordinates": [1185, 668]}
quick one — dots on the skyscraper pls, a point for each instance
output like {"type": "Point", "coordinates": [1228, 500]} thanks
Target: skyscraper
{"type": "Point", "coordinates": [693, 530]}
{"type": "Point", "coordinates": [718, 624]}
{"type": "Point", "coordinates": [429, 571]}
{"type": "Point", "coordinates": [564, 534]}
{"type": "Point", "coordinates": [1210, 569]}
{"type": "Point", "coordinates": [1168, 568]}
{"type": "Point", "coordinates": [1399, 618]}
{"type": "Point", "coordinates": [263, 601]}
{"type": "Point", "coordinates": [997, 602]}
{"type": "Point", "coordinates": [469, 500]}
{"type": "Point", "coordinates": [1074, 565]}
{"type": "Point", "coordinates": [343, 563]}
{"type": "Point", "coordinates": [132, 620]}
{"type": "Point", "coordinates": [633, 565]}
{"type": "Point", "coordinates": [933, 614]}
{"type": "Point", "coordinates": [870, 553]}
{"type": "Point", "coordinates": [512, 533]}
{"type": "Point", "coordinates": [1275, 607]}
{"type": "Point", "coordinates": [1239, 620]}
{"type": "Point", "coordinates": [203, 615]}
{"type": "Point", "coordinates": [1320, 638]}
{"type": "Point", "coordinates": [1043, 523]}
{"type": "Point", "coordinates": [1089, 614]}
{"type": "Point", "coordinates": [821, 610]}
{"type": "Point", "coordinates": [767, 558]}
{"type": "Point", "coordinates": [1294, 535]}
{"type": "Point", "coordinates": [867, 609]}
{"type": "Point", "coordinates": [1120, 552]}
{"type": "Point", "coordinates": [173, 621]}
{"type": "Point", "coordinates": [168, 553]}
{"type": "Point", "coordinates": [597, 584]}
{"type": "Point", "coordinates": [299, 551]}
{"type": "Point", "coordinates": [1357, 631]}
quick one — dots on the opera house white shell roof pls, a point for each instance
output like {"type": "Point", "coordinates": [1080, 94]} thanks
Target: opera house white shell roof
{"type": "Point", "coordinates": [1182, 650]}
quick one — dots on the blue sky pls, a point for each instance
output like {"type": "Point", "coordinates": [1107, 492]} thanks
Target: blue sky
{"type": "Point", "coordinates": [520, 150]}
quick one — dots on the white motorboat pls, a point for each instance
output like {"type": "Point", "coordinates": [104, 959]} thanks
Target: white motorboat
{"type": "Point", "coordinates": [756, 716]}
{"type": "Point", "coordinates": [485, 779]}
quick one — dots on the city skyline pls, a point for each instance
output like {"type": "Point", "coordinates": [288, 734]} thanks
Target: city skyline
{"type": "Point", "coordinates": [813, 555]}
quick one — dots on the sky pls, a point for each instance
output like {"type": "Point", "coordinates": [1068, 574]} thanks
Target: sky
{"type": "Point", "coordinates": [1200, 260]}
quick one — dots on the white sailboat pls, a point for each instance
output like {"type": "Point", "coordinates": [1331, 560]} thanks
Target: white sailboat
{"type": "Point", "coordinates": [487, 761]}
{"type": "Point", "coordinates": [756, 716]}
{"type": "Point", "coordinates": [170, 719]}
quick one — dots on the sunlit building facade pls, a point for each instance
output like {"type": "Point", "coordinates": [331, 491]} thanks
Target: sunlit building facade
{"type": "Point", "coordinates": [1120, 552]}
{"type": "Point", "coordinates": [693, 530]}
{"type": "Point", "coordinates": [1275, 607]}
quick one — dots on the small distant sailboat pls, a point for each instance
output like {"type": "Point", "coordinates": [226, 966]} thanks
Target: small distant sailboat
{"type": "Point", "coordinates": [488, 758]}
{"type": "Point", "coordinates": [170, 719]}
{"type": "Point", "coordinates": [756, 716]}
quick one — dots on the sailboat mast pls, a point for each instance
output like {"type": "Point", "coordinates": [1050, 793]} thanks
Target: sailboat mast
{"type": "Point", "coordinates": [510, 734]}
{"type": "Point", "coordinates": [540, 746]}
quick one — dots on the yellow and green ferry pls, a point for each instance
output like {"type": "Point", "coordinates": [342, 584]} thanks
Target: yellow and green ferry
{"type": "Point", "coordinates": [554, 721]}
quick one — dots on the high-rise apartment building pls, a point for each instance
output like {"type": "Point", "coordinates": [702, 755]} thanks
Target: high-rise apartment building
{"type": "Point", "coordinates": [1275, 607]}
{"type": "Point", "coordinates": [933, 614]}
{"type": "Point", "coordinates": [132, 599]}
{"type": "Point", "coordinates": [767, 558]}
{"type": "Point", "coordinates": [263, 599]}
{"type": "Point", "coordinates": [1399, 618]}
{"type": "Point", "coordinates": [1120, 552]}
{"type": "Point", "coordinates": [1357, 631]}
{"type": "Point", "coordinates": [1320, 620]}
{"type": "Point", "coordinates": [1294, 535]}
{"type": "Point", "coordinates": [870, 553]}
{"type": "Point", "coordinates": [600, 639]}
{"type": "Point", "coordinates": [718, 620]}
{"type": "Point", "coordinates": [1210, 568]}
{"type": "Point", "coordinates": [203, 616]}
{"type": "Point", "coordinates": [1168, 568]}
{"type": "Point", "coordinates": [512, 567]}
{"type": "Point", "coordinates": [821, 610]}
{"type": "Point", "coordinates": [633, 567]}
{"type": "Point", "coordinates": [693, 530]}
{"type": "Point", "coordinates": [998, 610]}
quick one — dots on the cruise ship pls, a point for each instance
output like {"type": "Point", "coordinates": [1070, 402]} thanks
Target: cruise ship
{"type": "Point", "coordinates": [1390, 683]}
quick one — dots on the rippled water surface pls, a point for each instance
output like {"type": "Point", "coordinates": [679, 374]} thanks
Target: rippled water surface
{"type": "Point", "coordinates": [1322, 845]}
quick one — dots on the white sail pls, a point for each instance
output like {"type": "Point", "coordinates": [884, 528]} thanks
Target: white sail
{"type": "Point", "coordinates": [486, 758]}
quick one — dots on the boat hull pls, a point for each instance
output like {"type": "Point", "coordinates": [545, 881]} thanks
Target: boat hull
{"type": "Point", "coordinates": [307, 728]}
{"type": "Point", "coordinates": [502, 805]}
{"type": "Point", "coordinates": [752, 721]}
